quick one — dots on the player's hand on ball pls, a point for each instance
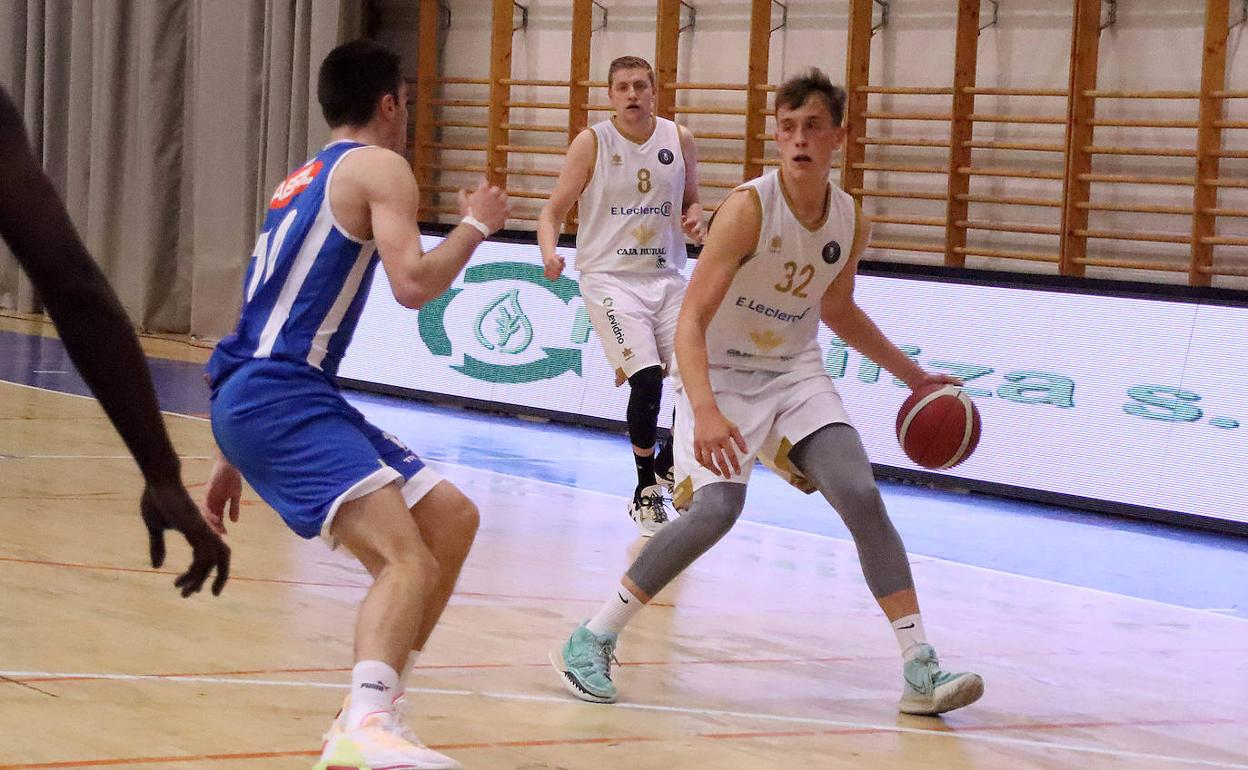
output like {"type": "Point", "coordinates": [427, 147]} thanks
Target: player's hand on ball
{"type": "Point", "coordinates": [487, 203]}
{"type": "Point", "coordinates": [169, 506]}
{"type": "Point", "coordinates": [934, 378]}
{"type": "Point", "coordinates": [715, 444]}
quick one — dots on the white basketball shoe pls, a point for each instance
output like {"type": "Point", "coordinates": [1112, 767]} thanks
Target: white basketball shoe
{"type": "Point", "coordinates": [648, 510]}
{"type": "Point", "coordinates": [381, 741]}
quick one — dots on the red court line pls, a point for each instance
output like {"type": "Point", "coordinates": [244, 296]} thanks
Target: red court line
{"type": "Point", "coordinates": [69, 496]}
{"type": "Point", "coordinates": [791, 733]}
{"type": "Point", "coordinates": [458, 667]}
{"type": "Point", "coordinates": [615, 739]}
{"type": "Point", "coordinates": [158, 760]}
{"type": "Point", "coordinates": [595, 600]}
{"type": "Point", "coordinates": [1095, 724]}
{"type": "Point", "coordinates": [117, 497]}
{"type": "Point", "coordinates": [962, 728]}
{"type": "Point", "coordinates": [282, 581]}
{"type": "Point", "coordinates": [545, 742]}
{"type": "Point", "coordinates": [541, 665]}
{"type": "Point", "coordinates": [149, 571]}
{"type": "Point", "coordinates": [274, 754]}
{"type": "Point", "coordinates": [184, 675]}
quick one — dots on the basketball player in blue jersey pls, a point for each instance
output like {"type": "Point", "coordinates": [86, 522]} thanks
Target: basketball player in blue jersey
{"type": "Point", "coordinates": [781, 256]}
{"type": "Point", "coordinates": [636, 178]}
{"type": "Point", "coordinates": [281, 423]}
{"type": "Point", "coordinates": [101, 343]}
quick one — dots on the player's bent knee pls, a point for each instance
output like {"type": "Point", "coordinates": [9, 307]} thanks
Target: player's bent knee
{"type": "Point", "coordinates": [648, 380]}
{"type": "Point", "coordinates": [714, 522]}
{"type": "Point", "coordinates": [415, 566]}
{"type": "Point", "coordinates": [445, 511]}
{"type": "Point", "coordinates": [863, 496]}
{"type": "Point", "coordinates": [716, 507]}
{"type": "Point", "coordinates": [643, 405]}
{"type": "Point", "coordinates": [468, 519]}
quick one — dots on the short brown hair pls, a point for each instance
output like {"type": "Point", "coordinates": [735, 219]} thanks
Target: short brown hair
{"type": "Point", "coordinates": [796, 90]}
{"type": "Point", "coordinates": [629, 63]}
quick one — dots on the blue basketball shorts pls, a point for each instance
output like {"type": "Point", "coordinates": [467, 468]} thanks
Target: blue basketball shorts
{"type": "Point", "coordinates": [304, 449]}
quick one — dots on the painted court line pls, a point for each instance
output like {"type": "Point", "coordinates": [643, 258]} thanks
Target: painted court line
{"type": "Point", "coordinates": [291, 582]}
{"type": "Point", "coordinates": [604, 740]}
{"type": "Point", "coordinates": [816, 535]}
{"type": "Point", "coordinates": [457, 594]}
{"type": "Point", "coordinates": [799, 532]}
{"type": "Point", "coordinates": [96, 457]}
{"type": "Point", "coordinates": [1169, 654]}
{"type": "Point", "coordinates": [830, 726]}
{"type": "Point", "coordinates": [158, 760]}
{"type": "Point", "coordinates": [809, 534]}
{"type": "Point", "coordinates": [91, 398]}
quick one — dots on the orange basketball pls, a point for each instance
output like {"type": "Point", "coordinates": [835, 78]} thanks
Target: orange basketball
{"type": "Point", "coordinates": [938, 426]}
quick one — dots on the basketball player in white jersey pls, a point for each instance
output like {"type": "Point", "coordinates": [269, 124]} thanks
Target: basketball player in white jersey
{"type": "Point", "coordinates": [635, 176]}
{"type": "Point", "coordinates": [781, 256]}
{"type": "Point", "coordinates": [281, 423]}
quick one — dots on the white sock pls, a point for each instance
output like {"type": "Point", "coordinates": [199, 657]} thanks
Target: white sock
{"type": "Point", "coordinates": [910, 635]}
{"type": "Point", "coordinates": [373, 685]}
{"type": "Point", "coordinates": [615, 613]}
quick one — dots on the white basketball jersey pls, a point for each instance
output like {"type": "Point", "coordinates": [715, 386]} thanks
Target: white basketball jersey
{"type": "Point", "coordinates": [630, 209]}
{"type": "Point", "coordinates": [770, 315]}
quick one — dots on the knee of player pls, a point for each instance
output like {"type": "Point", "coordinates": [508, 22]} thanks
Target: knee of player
{"type": "Point", "coordinates": [723, 519]}
{"type": "Point", "coordinates": [648, 380]}
{"type": "Point", "coordinates": [461, 516]}
{"type": "Point", "coordinates": [716, 507]}
{"type": "Point", "coordinates": [863, 504]}
{"type": "Point", "coordinates": [415, 566]}
{"type": "Point", "coordinates": [468, 518]}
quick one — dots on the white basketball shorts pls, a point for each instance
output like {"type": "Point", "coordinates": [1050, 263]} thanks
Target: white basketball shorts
{"type": "Point", "coordinates": [773, 411]}
{"type": "Point", "coordinates": [635, 316]}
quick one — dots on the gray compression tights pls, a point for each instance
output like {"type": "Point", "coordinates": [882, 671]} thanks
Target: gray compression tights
{"type": "Point", "coordinates": [712, 512]}
{"type": "Point", "coordinates": [836, 463]}
{"type": "Point", "coordinates": [833, 459]}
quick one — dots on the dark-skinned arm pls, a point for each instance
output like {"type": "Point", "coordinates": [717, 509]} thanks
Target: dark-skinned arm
{"type": "Point", "coordinates": [97, 334]}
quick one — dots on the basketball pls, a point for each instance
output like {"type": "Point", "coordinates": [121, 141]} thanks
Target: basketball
{"type": "Point", "coordinates": [938, 426]}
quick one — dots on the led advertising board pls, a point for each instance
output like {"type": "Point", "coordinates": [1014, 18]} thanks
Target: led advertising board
{"type": "Point", "coordinates": [1136, 402]}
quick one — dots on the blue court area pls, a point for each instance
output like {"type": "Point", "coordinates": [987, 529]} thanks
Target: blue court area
{"type": "Point", "coordinates": [1150, 561]}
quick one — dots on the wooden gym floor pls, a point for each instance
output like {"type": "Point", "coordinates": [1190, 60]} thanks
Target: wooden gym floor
{"type": "Point", "coordinates": [769, 653]}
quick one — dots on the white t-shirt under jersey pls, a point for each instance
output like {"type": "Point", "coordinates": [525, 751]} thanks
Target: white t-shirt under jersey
{"type": "Point", "coordinates": [630, 209]}
{"type": "Point", "coordinates": [770, 315]}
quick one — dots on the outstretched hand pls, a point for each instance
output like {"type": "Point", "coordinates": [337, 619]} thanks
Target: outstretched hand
{"type": "Point", "coordinates": [169, 506]}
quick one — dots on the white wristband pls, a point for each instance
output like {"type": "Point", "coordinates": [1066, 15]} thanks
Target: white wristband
{"type": "Point", "coordinates": [472, 221]}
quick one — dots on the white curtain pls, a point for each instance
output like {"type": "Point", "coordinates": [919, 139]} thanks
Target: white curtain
{"type": "Point", "coordinates": [164, 124]}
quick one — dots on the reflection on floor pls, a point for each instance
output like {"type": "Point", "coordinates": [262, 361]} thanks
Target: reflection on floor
{"type": "Point", "coordinates": [1148, 561]}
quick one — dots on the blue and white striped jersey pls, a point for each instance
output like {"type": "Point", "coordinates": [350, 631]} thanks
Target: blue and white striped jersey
{"type": "Point", "coordinates": [308, 278]}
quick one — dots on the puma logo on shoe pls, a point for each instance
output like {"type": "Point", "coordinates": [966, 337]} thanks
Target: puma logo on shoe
{"type": "Point", "coordinates": [378, 686]}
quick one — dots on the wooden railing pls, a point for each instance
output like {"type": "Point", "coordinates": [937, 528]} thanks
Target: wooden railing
{"type": "Point", "coordinates": [1052, 178]}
